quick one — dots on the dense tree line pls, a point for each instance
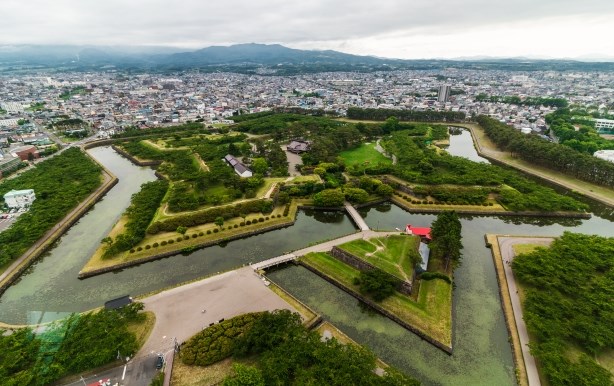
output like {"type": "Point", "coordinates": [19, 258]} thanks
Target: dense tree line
{"type": "Point", "coordinates": [530, 101]}
{"type": "Point", "coordinates": [569, 303]}
{"type": "Point", "coordinates": [405, 115]}
{"type": "Point", "coordinates": [60, 184]}
{"type": "Point", "coordinates": [139, 214]}
{"type": "Point", "coordinates": [286, 353]}
{"type": "Point", "coordinates": [76, 344]}
{"type": "Point", "coordinates": [549, 155]}
{"type": "Point", "coordinates": [135, 132]}
{"type": "Point", "coordinates": [446, 233]}
{"type": "Point", "coordinates": [177, 164]}
{"type": "Point", "coordinates": [586, 139]}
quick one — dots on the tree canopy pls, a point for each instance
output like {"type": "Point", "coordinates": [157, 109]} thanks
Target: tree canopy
{"type": "Point", "coordinates": [570, 287]}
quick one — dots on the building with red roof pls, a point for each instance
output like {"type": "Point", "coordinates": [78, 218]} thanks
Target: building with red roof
{"type": "Point", "coordinates": [424, 233]}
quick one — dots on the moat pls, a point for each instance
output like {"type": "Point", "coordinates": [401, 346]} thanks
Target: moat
{"type": "Point", "coordinates": [482, 355]}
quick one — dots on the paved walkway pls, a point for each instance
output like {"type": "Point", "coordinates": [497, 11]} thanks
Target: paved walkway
{"type": "Point", "coordinates": [322, 247]}
{"type": "Point", "coordinates": [506, 246]}
{"type": "Point", "coordinates": [358, 220]}
{"type": "Point", "coordinates": [183, 311]}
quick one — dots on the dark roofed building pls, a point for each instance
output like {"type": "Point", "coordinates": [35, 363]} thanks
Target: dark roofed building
{"type": "Point", "coordinates": [299, 146]}
{"type": "Point", "coordinates": [240, 169]}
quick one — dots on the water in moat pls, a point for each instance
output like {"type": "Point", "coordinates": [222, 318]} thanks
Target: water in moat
{"type": "Point", "coordinates": [50, 288]}
{"type": "Point", "coordinates": [482, 353]}
{"type": "Point", "coordinates": [461, 145]}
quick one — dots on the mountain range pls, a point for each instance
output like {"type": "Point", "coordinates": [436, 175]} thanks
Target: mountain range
{"type": "Point", "coordinates": [247, 58]}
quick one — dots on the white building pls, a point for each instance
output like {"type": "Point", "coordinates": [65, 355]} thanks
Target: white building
{"type": "Point", "coordinates": [607, 124]}
{"type": "Point", "coordinates": [607, 155]}
{"type": "Point", "coordinates": [19, 198]}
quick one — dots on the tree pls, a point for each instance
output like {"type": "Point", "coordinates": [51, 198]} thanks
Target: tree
{"type": "Point", "coordinates": [244, 376]}
{"type": "Point", "coordinates": [446, 234]}
{"type": "Point", "coordinates": [219, 221]}
{"type": "Point", "coordinates": [356, 195]}
{"type": "Point", "coordinates": [182, 230]}
{"type": "Point", "coordinates": [329, 198]}
{"type": "Point", "coordinates": [384, 190]}
{"type": "Point", "coordinates": [259, 166]}
{"type": "Point", "coordinates": [376, 283]}
{"type": "Point", "coordinates": [107, 240]}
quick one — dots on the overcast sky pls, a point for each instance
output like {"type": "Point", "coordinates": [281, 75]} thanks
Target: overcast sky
{"type": "Point", "coordinates": [388, 28]}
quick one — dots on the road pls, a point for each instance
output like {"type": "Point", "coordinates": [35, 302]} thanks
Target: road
{"type": "Point", "coordinates": [293, 160]}
{"type": "Point", "coordinates": [506, 246]}
{"type": "Point", "coordinates": [321, 247]}
{"type": "Point", "coordinates": [183, 311]}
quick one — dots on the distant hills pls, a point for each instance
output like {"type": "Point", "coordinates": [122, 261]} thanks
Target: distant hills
{"type": "Point", "coordinates": [247, 58]}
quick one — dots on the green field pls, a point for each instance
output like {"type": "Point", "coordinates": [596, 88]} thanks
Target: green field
{"type": "Point", "coordinates": [365, 154]}
{"type": "Point", "coordinates": [396, 255]}
{"type": "Point", "coordinates": [431, 313]}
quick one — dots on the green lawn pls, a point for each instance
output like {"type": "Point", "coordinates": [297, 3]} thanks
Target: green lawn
{"type": "Point", "coordinates": [431, 314]}
{"type": "Point", "coordinates": [366, 153]}
{"type": "Point", "coordinates": [395, 254]}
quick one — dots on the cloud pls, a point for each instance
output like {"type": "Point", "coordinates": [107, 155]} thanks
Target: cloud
{"type": "Point", "coordinates": [396, 24]}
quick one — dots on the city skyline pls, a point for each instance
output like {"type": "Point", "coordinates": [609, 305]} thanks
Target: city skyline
{"type": "Point", "coordinates": [392, 29]}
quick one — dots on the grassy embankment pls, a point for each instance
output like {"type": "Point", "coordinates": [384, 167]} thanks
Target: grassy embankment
{"type": "Point", "coordinates": [394, 254]}
{"type": "Point", "coordinates": [364, 154]}
{"type": "Point", "coordinates": [430, 313]}
{"type": "Point", "coordinates": [196, 236]}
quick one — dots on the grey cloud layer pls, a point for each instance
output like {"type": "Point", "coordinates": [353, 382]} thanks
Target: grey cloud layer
{"type": "Point", "coordinates": [200, 23]}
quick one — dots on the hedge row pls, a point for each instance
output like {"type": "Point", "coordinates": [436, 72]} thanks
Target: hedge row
{"type": "Point", "coordinates": [452, 202]}
{"type": "Point", "coordinates": [435, 275]}
{"type": "Point", "coordinates": [216, 342]}
{"type": "Point", "coordinates": [209, 216]}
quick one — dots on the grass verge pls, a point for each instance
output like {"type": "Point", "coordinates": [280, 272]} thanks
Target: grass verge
{"type": "Point", "coordinates": [393, 254]}
{"type": "Point", "coordinates": [364, 154]}
{"type": "Point", "coordinates": [431, 313]}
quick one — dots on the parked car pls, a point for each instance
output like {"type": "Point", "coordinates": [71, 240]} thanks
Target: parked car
{"type": "Point", "coordinates": [159, 361]}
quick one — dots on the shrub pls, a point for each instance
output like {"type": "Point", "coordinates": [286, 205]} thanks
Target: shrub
{"type": "Point", "coordinates": [279, 216]}
{"type": "Point", "coordinates": [248, 222]}
{"type": "Point", "coordinates": [132, 251]}
{"type": "Point", "coordinates": [163, 243]}
{"type": "Point", "coordinates": [236, 225]}
{"type": "Point", "coordinates": [266, 219]}
{"type": "Point", "coordinates": [425, 202]}
{"type": "Point", "coordinates": [435, 275]}
{"type": "Point", "coordinates": [242, 223]}
{"type": "Point", "coordinates": [260, 219]}
{"type": "Point", "coordinates": [490, 204]}
{"type": "Point", "coordinates": [186, 237]}
{"type": "Point", "coordinates": [147, 246]}
{"type": "Point", "coordinates": [155, 245]}
{"type": "Point", "coordinates": [208, 231]}
{"type": "Point", "coordinates": [194, 236]}
{"type": "Point", "coordinates": [139, 249]}
{"type": "Point", "coordinates": [215, 230]}
{"type": "Point", "coordinates": [179, 239]}
{"type": "Point", "coordinates": [431, 202]}
{"type": "Point", "coordinates": [171, 241]}
{"type": "Point", "coordinates": [201, 233]}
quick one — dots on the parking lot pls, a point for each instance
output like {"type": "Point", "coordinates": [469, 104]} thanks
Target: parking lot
{"type": "Point", "coordinates": [7, 218]}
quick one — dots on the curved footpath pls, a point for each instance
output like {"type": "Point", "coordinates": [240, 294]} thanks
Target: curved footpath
{"type": "Point", "coordinates": [24, 261]}
{"type": "Point", "coordinates": [503, 255]}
